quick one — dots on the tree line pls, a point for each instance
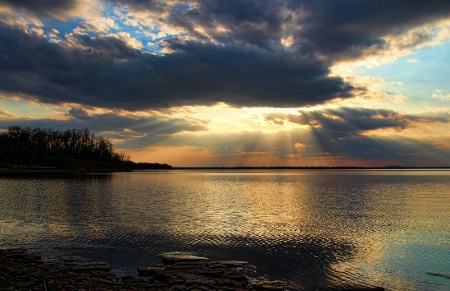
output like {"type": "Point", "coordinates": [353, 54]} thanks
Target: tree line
{"type": "Point", "coordinates": [23, 146]}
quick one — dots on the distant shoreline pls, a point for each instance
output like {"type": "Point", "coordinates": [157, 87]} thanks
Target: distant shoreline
{"type": "Point", "coordinates": [50, 170]}
{"type": "Point", "coordinates": [311, 168]}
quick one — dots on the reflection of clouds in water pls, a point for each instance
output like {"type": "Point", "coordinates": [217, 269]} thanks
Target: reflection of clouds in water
{"type": "Point", "coordinates": [407, 230]}
{"type": "Point", "coordinates": [67, 209]}
{"type": "Point", "coordinates": [319, 228]}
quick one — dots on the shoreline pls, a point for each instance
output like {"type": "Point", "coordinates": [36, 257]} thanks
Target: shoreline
{"type": "Point", "coordinates": [53, 170]}
{"type": "Point", "coordinates": [23, 270]}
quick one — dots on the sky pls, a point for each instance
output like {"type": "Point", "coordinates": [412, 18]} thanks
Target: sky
{"type": "Point", "coordinates": [235, 83]}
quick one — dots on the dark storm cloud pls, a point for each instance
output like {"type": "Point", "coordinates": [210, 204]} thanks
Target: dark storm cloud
{"type": "Point", "coordinates": [106, 46]}
{"type": "Point", "coordinates": [344, 122]}
{"type": "Point", "coordinates": [43, 8]}
{"type": "Point", "coordinates": [196, 74]}
{"type": "Point", "coordinates": [149, 5]}
{"type": "Point", "coordinates": [344, 28]}
{"type": "Point", "coordinates": [337, 29]}
{"type": "Point", "coordinates": [246, 66]}
{"type": "Point", "coordinates": [251, 23]}
{"type": "Point", "coordinates": [56, 73]}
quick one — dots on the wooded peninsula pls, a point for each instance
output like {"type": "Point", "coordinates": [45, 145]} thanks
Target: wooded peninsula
{"type": "Point", "coordinates": [72, 149]}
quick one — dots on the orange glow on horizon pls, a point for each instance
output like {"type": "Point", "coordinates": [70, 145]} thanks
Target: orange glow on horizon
{"type": "Point", "coordinates": [188, 156]}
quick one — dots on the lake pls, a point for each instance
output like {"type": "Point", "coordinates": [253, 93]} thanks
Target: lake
{"type": "Point", "coordinates": [315, 229]}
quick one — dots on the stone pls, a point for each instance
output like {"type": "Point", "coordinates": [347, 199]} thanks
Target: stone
{"type": "Point", "coordinates": [189, 264]}
{"type": "Point", "coordinates": [236, 284]}
{"type": "Point", "coordinates": [90, 268]}
{"type": "Point", "coordinates": [192, 278]}
{"type": "Point", "coordinates": [177, 287]}
{"type": "Point", "coordinates": [184, 266]}
{"type": "Point", "coordinates": [266, 284]}
{"type": "Point", "coordinates": [224, 281]}
{"type": "Point", "coordinates": [20, 271]}
{"type": "Point", "coordinates": [235, 275]}
{"type": "Point", "coordinates": [175, 257]}
{"type": "Point", "coordinates": [149, 271]}
{"type": "Point", "coordinates": [229, 264]}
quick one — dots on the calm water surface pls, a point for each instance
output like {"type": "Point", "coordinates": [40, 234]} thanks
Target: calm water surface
{"type": "Point", "coordinates": [316, 229]}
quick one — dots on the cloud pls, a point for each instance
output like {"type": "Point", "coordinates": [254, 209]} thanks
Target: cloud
{"type": "Point", "coordinates": [439, 94]}
{"type": "Point", "coordinates": [242, 53]}
{"type": "Point", "coordinates": [112, 124]}
{"type": "Point", "coordinates": [55, 9]}
{"type": "Point", "coordinates": [335, 30]}
{"type": "Point", "coordinates": [346, 122]}
{"type": "Point", "coordinates": [401, 151]}
{"type": "Point", "coordinates": [101, 25]}
{"type": "Point", "coordinates": [4, 114]}
{"type": "Point", "coordinates": [107, 72]}
{"type": "Point", "coordinates": [346, 29]}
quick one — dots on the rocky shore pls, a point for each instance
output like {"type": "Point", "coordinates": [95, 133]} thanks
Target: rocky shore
{"type": "Point", "coordinates": [21, 270]}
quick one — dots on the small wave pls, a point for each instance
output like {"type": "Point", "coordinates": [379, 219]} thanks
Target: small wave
{"type": "Point", "coordinates": [446, 276]}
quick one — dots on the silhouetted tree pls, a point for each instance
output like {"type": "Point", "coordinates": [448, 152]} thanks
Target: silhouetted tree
{"type": "Point", "coordinates": [26, 146]}
{"type": "Point", "coordinates": [39, 147]}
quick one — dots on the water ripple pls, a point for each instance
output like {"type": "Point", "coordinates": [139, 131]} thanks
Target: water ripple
{"type": "Point", "coordinates": [315, 229]}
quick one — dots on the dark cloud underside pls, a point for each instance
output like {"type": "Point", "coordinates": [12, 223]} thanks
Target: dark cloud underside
{"type": "Point", "coordinates": [343, 28]}
{"type": "Point", "coordinates": [246, 66]}
{"type": "Point", "coordinates": [43, 8]}
{"type": "Point", "coordinates": [196, 74]}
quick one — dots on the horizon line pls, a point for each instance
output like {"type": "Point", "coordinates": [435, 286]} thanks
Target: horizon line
{"type": "Point", "coordinates": [393, 167]}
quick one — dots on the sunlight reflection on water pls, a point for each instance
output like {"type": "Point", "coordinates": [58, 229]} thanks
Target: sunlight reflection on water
{"type": "Point", "coordinates": [316, 229]}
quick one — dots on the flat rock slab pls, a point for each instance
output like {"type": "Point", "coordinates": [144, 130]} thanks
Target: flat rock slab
{"type": "Point", "coordinates": [187, 270]}
{"type": "Point", "coordinates": [176, 257]}
{"type": "Point", "coordinates": [227, 264]}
